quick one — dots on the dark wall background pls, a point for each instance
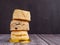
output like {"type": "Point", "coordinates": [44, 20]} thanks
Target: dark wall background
{"type": "Point", "coordinates": [45, 14]}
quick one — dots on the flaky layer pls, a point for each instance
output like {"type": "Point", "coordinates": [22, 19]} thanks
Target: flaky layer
{"type": "Point", "coordinates": [21, 14]}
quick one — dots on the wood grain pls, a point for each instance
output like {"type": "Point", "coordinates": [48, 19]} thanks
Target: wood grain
{"type": "Point", "coordinates": [36, 39]}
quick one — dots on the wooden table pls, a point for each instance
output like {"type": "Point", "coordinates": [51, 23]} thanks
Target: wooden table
{"type": "Point", "coordinates": [36, 39]}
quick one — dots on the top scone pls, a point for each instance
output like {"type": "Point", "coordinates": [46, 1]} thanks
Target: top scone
{"type": "Point", "coordinates": [21, 14]}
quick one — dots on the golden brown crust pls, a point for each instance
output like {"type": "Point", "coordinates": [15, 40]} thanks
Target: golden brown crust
{"type": "Point", "coordinates": [21, 14]}
{"type": "Point", "coordinates": [21, 20]}
{"type": "Point", "coordinates": [21, 41]}
{"type": "Point", "coordinates": [18, 30]}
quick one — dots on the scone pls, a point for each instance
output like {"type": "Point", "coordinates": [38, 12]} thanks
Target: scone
{"type": "Point", "coordinates": [21, 14]}
{"type": "Point", "coordinates": [21, 35]}
{"type": "Point", "coordinates": [19, 25]}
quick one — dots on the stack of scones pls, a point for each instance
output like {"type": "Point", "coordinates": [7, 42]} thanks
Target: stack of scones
{"type": "Point", "coordinates": [19, 26]}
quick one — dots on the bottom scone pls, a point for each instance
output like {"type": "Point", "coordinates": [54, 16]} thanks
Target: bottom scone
{"type": "Point", "coordinates": [19, 36]}
{"type": "Point", "coordinates": [21, 41]}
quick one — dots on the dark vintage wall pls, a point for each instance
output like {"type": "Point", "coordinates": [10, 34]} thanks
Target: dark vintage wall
{"type": "Point", "coordinates": [45, 14]}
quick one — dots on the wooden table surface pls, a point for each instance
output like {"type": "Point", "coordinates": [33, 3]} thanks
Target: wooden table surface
{"type": "Point", "coordinates": [36, 39]}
